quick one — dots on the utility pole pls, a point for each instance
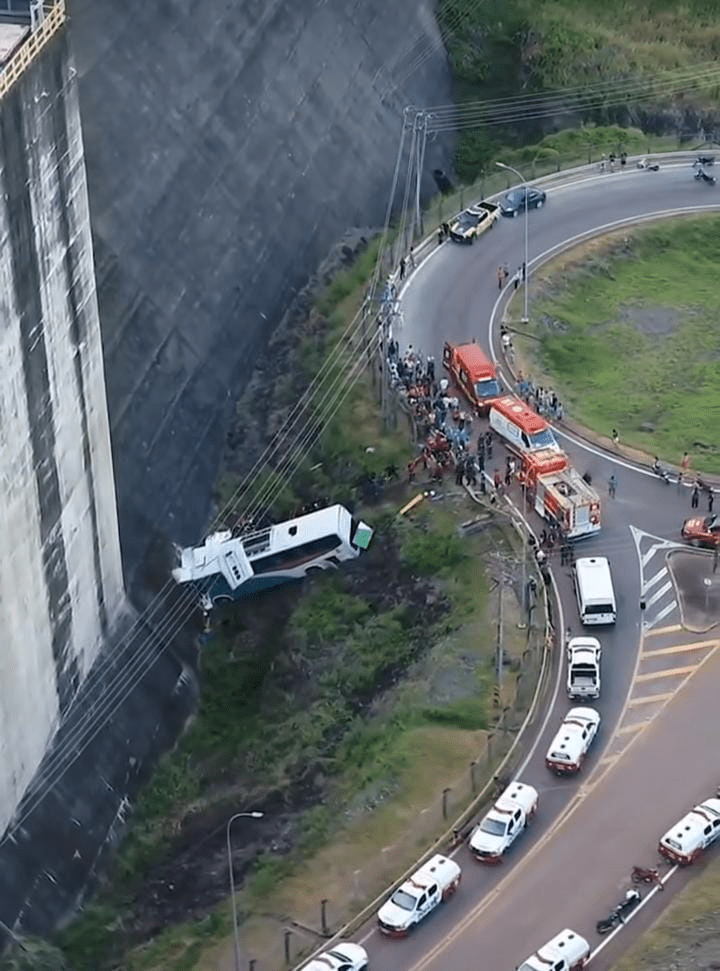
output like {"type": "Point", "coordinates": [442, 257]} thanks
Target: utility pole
{"type": "Point", "coordinates": [523, 591]}
{"type": "Point", "coordinates": [499, 651]}
{"type": "Point", "coordinates": [421, 124]}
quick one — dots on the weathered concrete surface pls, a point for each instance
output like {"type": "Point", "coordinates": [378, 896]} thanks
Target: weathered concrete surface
{"type": "Point", "coordinates": [227, 147]}
{"type": "Point", "coordinates": [64, 661]}
{"type": "Point", "coordinates": [61, 585]}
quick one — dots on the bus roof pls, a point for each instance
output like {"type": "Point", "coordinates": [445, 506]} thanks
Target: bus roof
{"type": "Point", "coordinates": [232, 556]}
{"type": "Point", "coordinates": [520, 414]}
{"type": "Point", "coordinates": [476, 363]}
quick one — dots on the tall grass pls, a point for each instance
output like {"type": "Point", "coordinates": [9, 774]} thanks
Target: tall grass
{"type": "Point", "coordinates": [630, 338]}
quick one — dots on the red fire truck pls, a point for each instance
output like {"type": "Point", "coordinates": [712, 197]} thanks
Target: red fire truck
{"type": "Point", "coordinates": [554, 488]}
{"type": "Point", "coordinates": [559, 493]}
{"type": "Point", "coordinates": [474, 375]}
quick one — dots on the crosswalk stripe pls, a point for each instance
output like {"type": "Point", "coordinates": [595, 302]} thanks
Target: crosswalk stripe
{"type": "Point", "coordinates": [649, 699]}
{"type": "Point", "coordinates": [659, 593]}
{"type": "Point", "coordinates": [653, 580]}
{"type": "Point", "coordinates": [665, 674]}
{"type": "Point", "coordinates": [664, 612]}
{"type": "Point", "coordinates": [664, 630]}
{"type": "Point", "coordinates": [679, 648]}
{"type": "Point", "coordinates": [648, 554]}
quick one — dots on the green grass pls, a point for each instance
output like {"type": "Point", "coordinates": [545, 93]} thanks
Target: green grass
{"type": "Point", "coordinates": [629, 339]}
{"type": "Point", "coordinates": [690, 920]}
{"type": "Point", "coordinates": [524, 47]}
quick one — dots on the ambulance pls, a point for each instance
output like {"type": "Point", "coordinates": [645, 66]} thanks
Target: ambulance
{"type": "Point", "coordinates": [474, 374]}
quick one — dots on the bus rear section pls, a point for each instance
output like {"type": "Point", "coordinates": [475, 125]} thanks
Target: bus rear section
{"type": "Point", "coordinates": [594, 590]}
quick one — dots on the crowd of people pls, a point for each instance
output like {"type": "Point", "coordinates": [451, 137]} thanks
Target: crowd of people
{"type": "Point", "coordinates": [443, 427]}
{"type": "Point", "coordinates": [544, 400]}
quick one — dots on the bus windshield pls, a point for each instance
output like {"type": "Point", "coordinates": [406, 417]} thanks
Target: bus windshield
{"type": "Point", "coordinates": [488, 389]}
{"type": "Point", "coordinates": [543, 439]}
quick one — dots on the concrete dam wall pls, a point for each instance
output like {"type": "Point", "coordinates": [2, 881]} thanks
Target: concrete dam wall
{"type": "Point", "coordinates": [227, 147]}
{"type": "Point", "coordinates": [61, 585]}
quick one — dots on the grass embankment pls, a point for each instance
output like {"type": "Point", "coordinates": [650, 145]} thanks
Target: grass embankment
{"type": "Point", "coordinates": [523, 47]}
{"type": "Point", "coordinates": [345, 707]}
{"type": "Point", "coordinates": [628, 336]}
{"type": "Point", "coordinates": [688, 931]}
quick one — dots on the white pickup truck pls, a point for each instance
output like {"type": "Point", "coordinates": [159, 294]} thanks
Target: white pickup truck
{"type": "Point", "coordinates": [566, 952]}
{"type": "Point", "coordinates": [496, 832]}
{"type": "Point", "coordinates": [583, 671]}
{"type": "Point", "coordinates": [434, 882]}
{"type": "Point", "coordinates": [687, 839]}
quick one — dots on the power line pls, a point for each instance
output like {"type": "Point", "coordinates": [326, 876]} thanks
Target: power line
{"type": "Point", "coordinates": [134, 661]}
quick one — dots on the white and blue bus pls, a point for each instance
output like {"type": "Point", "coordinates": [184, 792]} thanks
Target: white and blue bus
{"type": "Point", "coordinates": [228, 568]}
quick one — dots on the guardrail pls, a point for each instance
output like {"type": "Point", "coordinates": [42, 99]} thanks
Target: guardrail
{"type": "Point", "coordinates": [30, 48]}
{"type": "Point", "coordinates": [445, 209]}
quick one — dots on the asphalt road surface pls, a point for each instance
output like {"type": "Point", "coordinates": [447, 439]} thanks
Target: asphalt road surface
{"type": "Point", "coordinates": [656, 754]}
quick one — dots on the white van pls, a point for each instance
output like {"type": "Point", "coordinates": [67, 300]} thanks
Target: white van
{"type": "Point", "coordinates": [594, 589]}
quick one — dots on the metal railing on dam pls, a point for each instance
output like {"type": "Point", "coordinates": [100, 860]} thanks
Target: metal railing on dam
{"type": "Point", "coordinates": [31, 47]}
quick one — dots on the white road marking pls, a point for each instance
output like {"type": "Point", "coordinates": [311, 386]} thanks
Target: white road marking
{"type": "Point", "coordinates": [653, 580]}
{"type": "Point", "coordinates": [645, 900]}
{"type": "Point", "coordinates": [659, 593]}
{"type": "Point", "coordinates": [662, 613]}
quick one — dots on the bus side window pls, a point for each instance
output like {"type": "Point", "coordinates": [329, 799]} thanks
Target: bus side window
{"type": "Point", "coordinates": [526, 441]}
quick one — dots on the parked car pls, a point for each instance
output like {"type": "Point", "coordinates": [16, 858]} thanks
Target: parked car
{"type": "Point", "coordinates": [574, 737]}
{"type": "Point", "coordinates": [344, 956]}
{"type": "Point", "coordinates": [513, 203]}
{"type": "Point", "coordinates": [697, 830]}
{"type": "Point", "coordinates": [702, 531]}
{"type": "Point", "coordinates": [567, 951]}
{"type": "Point", "coordinates": [583, 670]}
{"type": "Point", "coordinates": [435, 881]}
{"type": "Point", "coordinates": [473, 222]}
{"type": "Point", "coordinates": [499, 828]}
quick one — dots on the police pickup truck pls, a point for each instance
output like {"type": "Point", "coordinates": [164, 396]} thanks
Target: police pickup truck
{"type": "Point", "coordinates": [499, 829]}
{"type": "Point", "coordinates": [687, 839]}
{"type": "Point", "coordinates": [435, 881]}
{"type": "Point", "coordinates": [566, 952]}
{"type": "Point", "coordinates": [583, 671]}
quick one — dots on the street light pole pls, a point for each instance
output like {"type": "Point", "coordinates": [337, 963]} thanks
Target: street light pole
{"type": "Point", "coordinates": [526, 274]}
{"type": "Point", "coordinates": [525, 320]}
{"type": "Point", "coordinates": [253, 815]}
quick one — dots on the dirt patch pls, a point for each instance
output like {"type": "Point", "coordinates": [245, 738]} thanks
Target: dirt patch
{"type": "Point", "coordinates": [193, 876]}
{"type": "Point", "coordinates": [655, 321]}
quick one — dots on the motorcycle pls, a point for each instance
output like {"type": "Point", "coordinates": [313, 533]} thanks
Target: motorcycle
{"type": "Point", "coordinates": [617, 914]}
{"type": "Point", "coordinates": [661, 472]}
{"type": "Point", "coordinates": [702, 176]}
{"type": "Point", "coordinates": [641, 874]}
{"type": "Point", "coordinates": [648, 166]}
{"type": "Point", "coordinates": [705, 160]}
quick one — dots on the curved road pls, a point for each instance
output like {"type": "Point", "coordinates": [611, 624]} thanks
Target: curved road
{"type": "Point", "coordinates": [655, 756]}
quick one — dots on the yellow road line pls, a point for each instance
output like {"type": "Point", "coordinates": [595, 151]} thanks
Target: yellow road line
{"type": "Point", "coordinates": [663, 630]}
{"type": "Point", "coordinates": [635, 727]}
{"type": "Point", "coordinates": [649, 699]}
{"type": "Point", "coordinates": [698, 646]}
{"type": "Point", "coordinates": [668, 673]}
{"type": "Point", "coordinates": [433, 953]}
